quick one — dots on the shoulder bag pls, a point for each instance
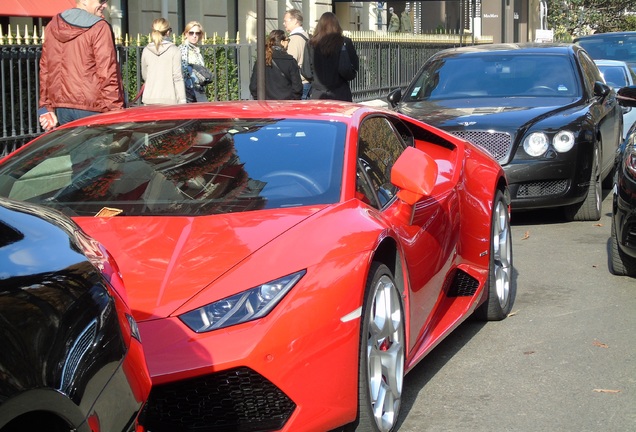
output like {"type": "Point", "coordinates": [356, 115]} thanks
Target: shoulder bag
{"type": "Point", "coordinates": [345, 68]}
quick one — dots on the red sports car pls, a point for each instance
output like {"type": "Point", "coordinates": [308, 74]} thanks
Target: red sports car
{"type": "Point", "coordinates": [287, 262]}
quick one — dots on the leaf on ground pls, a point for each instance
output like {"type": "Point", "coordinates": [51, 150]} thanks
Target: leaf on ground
{"type": "Point", "coordinates": [598, 224]}
{"type": "Point", "coordinates": [606, 391]}
{"type": "Point", "coordinates": [513, 313]}
{"type": "Point", "coordinates": [529, 352]}
{"type": "Point", "coordinates": [599, 344]}
{"type": "Point", "coordinates": [526, 235]}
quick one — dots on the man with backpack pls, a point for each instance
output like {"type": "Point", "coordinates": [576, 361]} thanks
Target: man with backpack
{"type": "Point", "coordinates": [293, 23]}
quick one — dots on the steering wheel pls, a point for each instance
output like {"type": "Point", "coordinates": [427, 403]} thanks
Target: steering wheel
{"type": "Point", "coordinates": [301, 179]}
{"type": "Point", "coordinates": [541, 89]}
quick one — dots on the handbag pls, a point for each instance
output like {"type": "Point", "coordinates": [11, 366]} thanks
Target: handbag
{"type": "Point", "coordinates": [346, 70]}
{"type": "Point", "coordinates": [202, 75]}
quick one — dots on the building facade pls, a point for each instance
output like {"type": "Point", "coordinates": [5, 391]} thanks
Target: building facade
{"type": "Point", "coordinates": [504, 20]}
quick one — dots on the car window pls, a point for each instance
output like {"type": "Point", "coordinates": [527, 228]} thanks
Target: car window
{"type": "Point", "coordinates": [590, 71]}
{"type": "Point", "coordinates": [180, 167]}
{"type": "Point", "coordinates": [379, 146]}
{"type": "Point", "coordinates": [497, 75]}
{"type": "Point", "coordinates": [614, 76]}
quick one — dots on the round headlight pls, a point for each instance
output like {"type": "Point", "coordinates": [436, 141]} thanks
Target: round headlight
{"type": "Point", "coordinates": [563, 141]}
{"type": "Point", "coordinates": [536, 144]}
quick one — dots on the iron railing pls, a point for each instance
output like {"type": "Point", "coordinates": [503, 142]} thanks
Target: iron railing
{"type": "Point", "coordinates": [386, 62]}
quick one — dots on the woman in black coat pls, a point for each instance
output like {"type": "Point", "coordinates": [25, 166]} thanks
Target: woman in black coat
{"type": "Point", "coordinates": [324, 57]}
{"type": "Point", "coordinates": [282, 76]}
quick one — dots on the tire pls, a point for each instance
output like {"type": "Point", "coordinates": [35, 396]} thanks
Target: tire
{"type": "Point", "coordinates": [502, 286]}
{"type": "Point", "coordinates": [620, 264]}
{"type": "Point", "coordinates": [590, 208]}
{"type": "Point", "coordinates": [382, 351]}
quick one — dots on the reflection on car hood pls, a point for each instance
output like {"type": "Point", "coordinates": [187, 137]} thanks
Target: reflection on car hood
{"type": "Point", "coordinates": [166, 260]}
{"type": "Point", "coordinates": [507, 113]}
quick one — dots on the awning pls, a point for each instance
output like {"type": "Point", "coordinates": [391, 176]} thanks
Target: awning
{"type": "Point", "coordinates": [34, 8]}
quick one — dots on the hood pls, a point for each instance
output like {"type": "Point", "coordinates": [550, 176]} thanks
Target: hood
{"type": "Point", "coordinates": [165, 260]}
{"type": "Point", "coordinates": [497, 113]}
{"type": "Point", "coordinates": [71, 23]}
{"type": "Point", "coordinates": [165, 44]}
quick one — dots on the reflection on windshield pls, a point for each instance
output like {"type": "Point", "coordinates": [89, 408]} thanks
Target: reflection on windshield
{"type": "Point", "coordinates": [495, 75]}
{"type": "Point", "coordinates": [184, 167]}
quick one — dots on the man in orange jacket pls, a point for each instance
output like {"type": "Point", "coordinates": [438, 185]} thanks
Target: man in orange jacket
{"type": "Point", "coordinates": [79, 73]}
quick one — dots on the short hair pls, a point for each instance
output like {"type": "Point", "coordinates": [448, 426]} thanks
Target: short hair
{"type": "Point", "coordinates": [296, 14]}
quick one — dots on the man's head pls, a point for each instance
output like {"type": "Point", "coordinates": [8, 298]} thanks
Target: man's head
{"type": "Point", "coordinates": [293, 19]}
{"type": "Point", "coordinates": [95, 7]}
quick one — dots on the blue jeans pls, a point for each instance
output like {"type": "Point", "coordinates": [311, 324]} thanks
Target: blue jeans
{"type": "Point", "coordinates": [306, 88]}
{"type": "Point", "coordinates": [65, 115]}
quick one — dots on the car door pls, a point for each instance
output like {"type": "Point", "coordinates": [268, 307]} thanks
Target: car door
{"type": "Point", "coordinates": [428, 243]}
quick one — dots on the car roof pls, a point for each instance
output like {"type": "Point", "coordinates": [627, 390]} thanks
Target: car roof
{"type": "Point", "coordinates": [606, 35]}
{"type": "Point", "coordinates": [529, 47]}
{"type": "Point", "coordinates": [246, 109]}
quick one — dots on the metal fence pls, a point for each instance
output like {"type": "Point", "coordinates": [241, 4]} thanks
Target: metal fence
{"type": "Point", "coordinates": [386, 62]}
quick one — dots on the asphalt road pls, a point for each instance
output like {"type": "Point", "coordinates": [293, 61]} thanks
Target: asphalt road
{"type": "Point", "coordinates": [564, 360]}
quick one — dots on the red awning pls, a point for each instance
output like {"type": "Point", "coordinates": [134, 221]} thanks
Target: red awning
{"type": "Point", "coordinates": [34, 8]}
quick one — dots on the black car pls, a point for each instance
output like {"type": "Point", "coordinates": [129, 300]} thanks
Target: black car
{"type": "Point", "coordinates": [542, 110]}
{"type": "Point", "coordinates": [71, 357]}
{"type": "Point", "coordinates": [623, 240]}
{"type": "Point", "coordinates": [610, 46]}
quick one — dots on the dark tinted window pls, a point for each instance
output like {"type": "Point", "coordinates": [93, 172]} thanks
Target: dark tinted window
{"type": "Point", "coordinates": [378, 148]}
{"type": "Point", "coordinates": [496, 75]}
{"type": "Point", "coordinates": [181, 167]}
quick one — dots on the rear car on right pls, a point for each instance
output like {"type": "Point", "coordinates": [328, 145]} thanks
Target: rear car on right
{"type": "Point", "coordinates": [623, 240]}
{"type": "Point", "coordinates": [610, 46]}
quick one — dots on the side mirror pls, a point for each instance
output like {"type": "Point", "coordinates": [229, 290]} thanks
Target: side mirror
{"type": "Point", "coordinates": [626, 96]}
{"type": "Point", "coordinates": [415, 174]}
{"type": "Point", "coordinates": [394, 97]}
{"type": "Point", "coordinates": [601, 89]}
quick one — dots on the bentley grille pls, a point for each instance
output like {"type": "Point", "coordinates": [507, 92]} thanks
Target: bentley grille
{"type": "Point", "coordinates": [498, 144]}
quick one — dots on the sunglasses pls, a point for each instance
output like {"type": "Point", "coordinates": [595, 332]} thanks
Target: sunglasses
{"type": "Point", "coordinates": [191, 33]}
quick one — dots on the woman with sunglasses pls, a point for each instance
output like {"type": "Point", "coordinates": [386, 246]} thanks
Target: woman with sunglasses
{"type": "Point", "coordinates": [191, 55]}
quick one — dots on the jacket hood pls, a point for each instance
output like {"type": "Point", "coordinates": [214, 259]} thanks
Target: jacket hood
{"type": "Point", "coordinates": [71, 23]}
{"type": "Point", "coordinates": [165, 261]}
{"type": "Point", "coordinates": [165, 44]}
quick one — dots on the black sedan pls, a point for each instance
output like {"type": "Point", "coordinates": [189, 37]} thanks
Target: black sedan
{"type": "Point", "coordinates": [71, 357]}
{"type": "Point", "coordinates": [623, 241]}
{"type": "Point", "coordinates": [542, 110]}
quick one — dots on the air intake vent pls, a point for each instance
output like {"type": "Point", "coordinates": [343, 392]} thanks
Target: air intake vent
{"type": "Point", "coordinates": [234, 400]}
{"type": "Point", "coordinates": [463, 285]}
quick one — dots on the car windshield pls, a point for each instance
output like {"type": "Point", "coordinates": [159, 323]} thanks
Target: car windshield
{"type": "Point", "coordinates": [180, 167]}
{"type": "Point", "coordinates": [611, 47]}
{"type": "Point", "coordinates": [495, 75]}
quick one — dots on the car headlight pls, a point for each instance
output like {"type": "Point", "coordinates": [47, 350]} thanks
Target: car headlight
{"type": "Point", "coordinates": [242, 307]}
{"type": "Point", "coordinates": [630, 162]}
{"type": "Point", "coordinates": [536, 144]}
{"type": "Point", "coordinates": [563, 141]}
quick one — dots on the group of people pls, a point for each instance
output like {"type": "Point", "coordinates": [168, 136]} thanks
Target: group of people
{"type": "Point", "coordinates": [168, 70]}
{"type": "Point", "coordinates": [298, 66]}
{"type": "Point", "coordinates": [80, 74]}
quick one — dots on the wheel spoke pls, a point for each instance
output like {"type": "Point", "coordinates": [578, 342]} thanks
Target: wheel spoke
{"type": "Point", "coordinates": [385, 353]}
{"type": "Point", "coordinates": [502, 253]}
